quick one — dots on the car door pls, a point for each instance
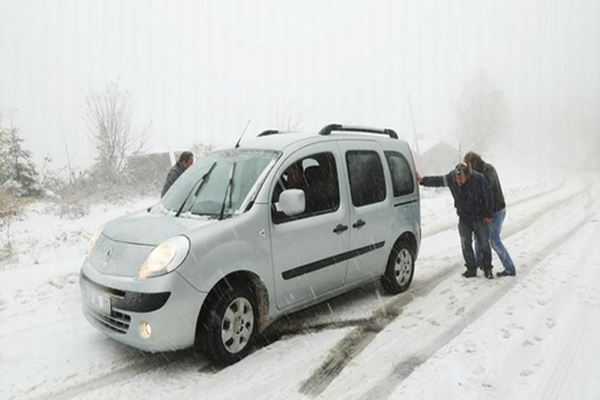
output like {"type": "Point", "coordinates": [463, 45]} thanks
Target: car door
{"type": "Point", "coordinates": [306, 248]}
{"type": "Point", "coordinates": [369, 205]}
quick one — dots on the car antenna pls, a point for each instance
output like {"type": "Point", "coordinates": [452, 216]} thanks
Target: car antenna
{"type": "Point", "coordinates": [242, 135]}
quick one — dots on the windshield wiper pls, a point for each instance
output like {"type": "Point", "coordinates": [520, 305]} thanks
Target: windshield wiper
{"type": "Point", "coordinates": [202, 181]}
{"type": "Point", "coordinates": [228, 191]}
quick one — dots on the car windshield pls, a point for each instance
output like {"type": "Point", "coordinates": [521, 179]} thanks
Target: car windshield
{"type": "Point", "coordinates": [217, 184]}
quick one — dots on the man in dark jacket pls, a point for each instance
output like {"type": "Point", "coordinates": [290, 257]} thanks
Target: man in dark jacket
{"type": "Point", "coordinates": [186, 159]}
{"type": "Point", "coordinates": [474, 161]}
{"type": "Point", "coordinates": [474, 204]}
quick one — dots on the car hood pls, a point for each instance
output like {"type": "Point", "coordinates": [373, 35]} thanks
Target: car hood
{"type": "Point", "coordinates": [148, 229]}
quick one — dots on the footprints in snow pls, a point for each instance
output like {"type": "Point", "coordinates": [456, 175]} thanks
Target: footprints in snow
{"type": "Point", "coordinates": [550, 323]}
{"type": "Point", "coordinates": [63, 288]}
{"type": "Point", "coordinates": [528, 342]}
{"type": "Point", "coordinates": [508, 329]}
{"type": "Point", "coordinates": [55, 285]}
{"type": "Point", "coordinates": [527, 372]}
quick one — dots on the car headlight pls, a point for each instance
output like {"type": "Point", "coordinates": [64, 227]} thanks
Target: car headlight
{"type": "Point", "coordinates": [165, 257]}
{"type": "Point", "coordinates": [93, 241]}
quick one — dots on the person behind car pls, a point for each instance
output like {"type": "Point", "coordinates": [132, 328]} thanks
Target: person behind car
{"type": "Point", "coordinates": [295, 177]}
{"type": "Point", "coordinates": [475, 162]}
{"type": "Point", "coordinates": [474, 204]}
{"type": "Point", "coordinates": [292, 178]}
{"type": "Point", "coordinates": [186, 159]}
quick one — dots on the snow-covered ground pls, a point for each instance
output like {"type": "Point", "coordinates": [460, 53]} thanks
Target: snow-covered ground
{"type": "Point", "coordinates": [534, 336]}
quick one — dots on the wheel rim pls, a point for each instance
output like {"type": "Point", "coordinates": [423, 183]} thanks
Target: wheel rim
{"type": "Point", "coordinates": [237, 325]}
{"type": "Point", "coordinates": [403, 267]}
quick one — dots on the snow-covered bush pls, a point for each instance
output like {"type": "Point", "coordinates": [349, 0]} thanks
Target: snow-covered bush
{"type": "Point", "coordinates": [92, 187]}
{"type": "Point", "coordinates": [18, 176]}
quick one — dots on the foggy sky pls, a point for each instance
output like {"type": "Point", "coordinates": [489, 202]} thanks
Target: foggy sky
{"type": "Point", "coordinates": [201, 70]}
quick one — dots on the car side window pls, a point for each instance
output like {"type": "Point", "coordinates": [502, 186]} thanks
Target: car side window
{"type": "Point", "coordinates": [402, 176]}
{"type": "Point", "coordinates": [367, 182]}
{"type": "Point", "coordinates": [316, 175]}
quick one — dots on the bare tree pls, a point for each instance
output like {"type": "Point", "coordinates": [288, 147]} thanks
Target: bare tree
{"type": "Point", "coordinates": [108, 116]}
{"type": "Point", "coordinates": [483, 115]}
{"type": "Point", "coordinates": [201, 148]}
{"type": "Point", "coordinates": [288, 121]}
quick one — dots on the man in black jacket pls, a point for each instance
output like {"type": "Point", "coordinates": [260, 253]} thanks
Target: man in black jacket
{"type": "Point", "coordinates": [186, 159]}
{"type": "Point", "coordinates": [474, 161]}
{"type": "Point", "coordinates": [474, 204]}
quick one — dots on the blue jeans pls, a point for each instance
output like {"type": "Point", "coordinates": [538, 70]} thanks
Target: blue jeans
{"type": "Point", "coordinates": [468, 228]}
{"type": "Point", "coordinates": [496, 242]}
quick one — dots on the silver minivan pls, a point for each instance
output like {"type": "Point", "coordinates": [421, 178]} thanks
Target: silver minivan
{"type": "Point", "coordinates": [276, 224]}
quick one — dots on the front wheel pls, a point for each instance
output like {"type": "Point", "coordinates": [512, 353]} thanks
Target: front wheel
{"type": "Point", "coordinates": [400, 269]}
{"type": "Point", "coordinates": [229, 327]}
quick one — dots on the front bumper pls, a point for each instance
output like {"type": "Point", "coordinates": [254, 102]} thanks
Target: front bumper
{"type": "Point", "coordinates": [122, 308]}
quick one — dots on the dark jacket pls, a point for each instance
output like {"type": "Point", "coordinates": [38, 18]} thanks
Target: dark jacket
{"type": "Point", "coordinates": [491, 175]}
{"type": "Point", "coordinates": [174, 173]}
{"type": "Point", "coordinates": [473, 200]}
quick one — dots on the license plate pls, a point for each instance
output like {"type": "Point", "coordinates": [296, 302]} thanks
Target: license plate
{"type": "Point", "coordinates": [97, 300]}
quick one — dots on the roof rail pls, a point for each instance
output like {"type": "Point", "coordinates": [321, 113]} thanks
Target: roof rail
{"type": "Point", "coordinates": [268, 132]}
{"type": "Point", "coordinates": [348, 128]}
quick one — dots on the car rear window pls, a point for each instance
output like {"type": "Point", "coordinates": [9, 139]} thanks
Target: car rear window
{"type": "Point", "coordinates": [367, 182]}
{"type": "Point", "coordinates": [402, 176]}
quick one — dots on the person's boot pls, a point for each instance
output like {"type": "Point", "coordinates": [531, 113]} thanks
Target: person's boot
{"type": "Point", "coordinates": [505, 273]}
{"type": "Point", "coordinates": [470, 273]}
{"type": "Point", "coordinates": [488, 273]}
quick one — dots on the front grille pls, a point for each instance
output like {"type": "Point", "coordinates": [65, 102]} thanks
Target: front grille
{"type": "Point", "coordinates": [116, 322]}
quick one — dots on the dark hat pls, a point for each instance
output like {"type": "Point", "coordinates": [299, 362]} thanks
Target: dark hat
{"type": "Point", "coordinates": [461, 169]}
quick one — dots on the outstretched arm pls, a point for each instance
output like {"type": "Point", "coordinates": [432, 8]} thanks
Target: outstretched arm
{"type": "Point", "coordinates": [435, 181]}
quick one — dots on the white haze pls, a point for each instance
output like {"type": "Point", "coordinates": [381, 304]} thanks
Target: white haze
{"type": "Point", "coordinates": [201, 70]}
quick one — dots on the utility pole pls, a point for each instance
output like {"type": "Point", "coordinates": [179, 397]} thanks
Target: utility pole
{"type": "Point", "coordinates": [412, 117]}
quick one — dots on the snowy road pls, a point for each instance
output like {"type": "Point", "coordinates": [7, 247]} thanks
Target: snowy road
{"type": "Point", "coordinates": [533, 336]}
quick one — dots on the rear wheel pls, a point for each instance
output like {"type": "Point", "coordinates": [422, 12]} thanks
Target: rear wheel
{"type": "Point", "coordinates": [229, 326]}
{"type": "Point", "coordinates": [400, 268]}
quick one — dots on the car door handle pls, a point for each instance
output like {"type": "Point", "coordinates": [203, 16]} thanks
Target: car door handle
{"type": "Point", "coordinates": [359, 223]}
{"type": "Point", "coordinates": [340, 228]}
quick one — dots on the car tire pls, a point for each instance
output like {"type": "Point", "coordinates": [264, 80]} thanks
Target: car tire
{"type": "Point", "coordinates": [229, 325]}
{"type": "Point", "coordinates": [400, 268]}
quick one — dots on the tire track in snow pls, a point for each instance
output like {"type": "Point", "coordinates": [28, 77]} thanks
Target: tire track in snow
{"type": "Point", "coordinates": [129, 368]}
{"type": "Point", "coordinates": [358, 339]}
{"type": "Point", "coordinates": [560, 374]}
{"type": "Point", "coordinates": [43, 325]}
{"type": "Point", "coordinates": [559, 380]}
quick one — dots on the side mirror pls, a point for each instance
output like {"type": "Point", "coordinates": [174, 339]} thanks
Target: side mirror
{"type": "Point", "coordinates": [292, 202]}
